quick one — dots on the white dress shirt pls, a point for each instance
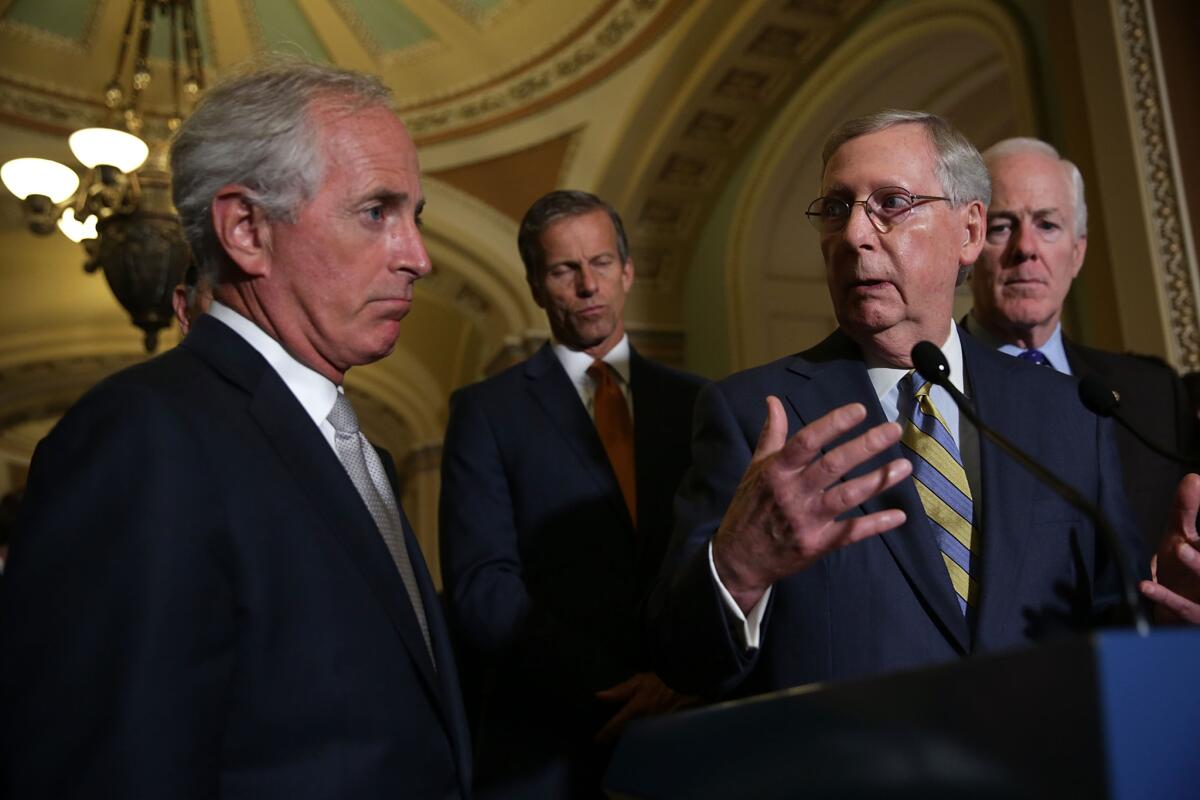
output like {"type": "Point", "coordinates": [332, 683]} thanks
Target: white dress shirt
{"type": "Point", "coordinates": [314, 391]}
{"type": "Point", "coordinates": [885, 380]}
{"type": "Point", "coordinates": [576, 363]}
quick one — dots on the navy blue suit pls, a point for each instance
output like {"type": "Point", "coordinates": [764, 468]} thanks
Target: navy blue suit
{"type": "Point", "coordinates": [886, 603]}
{"type": "Point", "coordinates": [199, 604]}
{"type": "Point", "coordinates": [543, 570]}
{"type": "Point", "coordinates": [1153, 400]}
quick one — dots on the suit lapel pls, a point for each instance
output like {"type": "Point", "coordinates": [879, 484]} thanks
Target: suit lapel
{"type": "Point", "coordinates": [1007, 510]}
{"type": "Point", "coordinates": [320, 478]}
{"type": "Point", "coordinates": [833, 374]}
{"type": "Point", "coordinates": [554, 394]}
{"type": "Point", "coordinates": [1079, 362]}
{"type": "Point", "coordinates": [450, 697]}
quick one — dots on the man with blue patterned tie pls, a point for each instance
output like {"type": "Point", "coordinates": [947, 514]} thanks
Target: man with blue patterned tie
{"type": "Point", "coordinates": [1034, 247]}
{"type": "Point", "coordinates": [803, 550]}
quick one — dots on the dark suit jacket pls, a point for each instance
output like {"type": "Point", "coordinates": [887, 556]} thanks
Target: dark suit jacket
{"type": "Point", "coordinates": [199, 605]}
{"type": "Point", "coordinates": [543, 570]}
{"type": "Point", "coordinates": [1153, 400]}
{"type": "Point", "coordinates": [886, 603]}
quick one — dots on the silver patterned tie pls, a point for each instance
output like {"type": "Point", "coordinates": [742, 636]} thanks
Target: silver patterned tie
{"type": "Point", "coordinates": [366, 472]}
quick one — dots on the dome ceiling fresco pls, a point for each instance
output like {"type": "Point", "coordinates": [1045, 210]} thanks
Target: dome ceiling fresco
{"type": "Point", "coordinates": [456, 66]}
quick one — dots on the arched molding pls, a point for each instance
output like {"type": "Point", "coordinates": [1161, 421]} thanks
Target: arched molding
{"type": "Point", "coordinates": [409, 394]}
{"type": "Point", "coordinates": [946, 56]}
{"type": "Point", "coordinates": [45, 387]}
{"type": "Point", "coordinates": [479, 245]}
{"type": "Point", "coordinates": [721, 77]}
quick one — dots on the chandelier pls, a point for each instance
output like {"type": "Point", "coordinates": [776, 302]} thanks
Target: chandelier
{"type": "Point", "coordinates": [121, 212]}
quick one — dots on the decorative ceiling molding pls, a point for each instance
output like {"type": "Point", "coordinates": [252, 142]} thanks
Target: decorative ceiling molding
{"type": "Point", "coordinates": [382, 51]}
{"type": "Point", "coordinates": [531, 70]}
{"type": "Point", "coordinates": [24, 32]}
{"type": "Point", "coordinates": [715, 119]}
{"type": "Point", "coordinates": [511, 182]}
{"type": "Point", "coordinates": [37, 390]}
{"type": "Point", "coordinates": [624, 29]}
{"type": "Point", "coordinates": [483, 18]}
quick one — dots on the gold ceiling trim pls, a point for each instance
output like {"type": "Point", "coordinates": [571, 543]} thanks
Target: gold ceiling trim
{"type": "Point", "coordinates": [483, 19]}
{"type": "Point", "coordinates": [46, 110]}
{"type": "Point", "coordinates": [606, 40]}
{"type": "Point", "coordinates": [377, 50]}
{"type": "Point", "coordinates": [537, 59]}
{"type": "Point", "coordinates": [741, 93]}
{"type": "Point", "coordinates": [39, 37]}
{"type": "Point", "coordinates": [628, 27]}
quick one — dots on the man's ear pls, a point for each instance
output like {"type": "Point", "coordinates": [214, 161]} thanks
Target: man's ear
{"type": "Point", "coordinates": [973, 233]}
{"type": "Point", "coordinates": [243, 230]}
{"type": "Point", "coordinates": [627, 274]}
{"type": "Point", "coordinates": [179, 305]}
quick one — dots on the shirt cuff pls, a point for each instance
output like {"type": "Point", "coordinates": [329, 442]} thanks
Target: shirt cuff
{"type": "Point", "coordinates": [747, 628]}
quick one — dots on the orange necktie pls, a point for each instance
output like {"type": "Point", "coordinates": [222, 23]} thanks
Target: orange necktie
{"type": "Point", "coordinates": [615, 427]}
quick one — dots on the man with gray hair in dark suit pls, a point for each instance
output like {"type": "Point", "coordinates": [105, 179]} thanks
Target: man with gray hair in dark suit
{"type": "Point", "coordinates": [1033, 250]}
{"type": "Point", "coordinates": [213, 591]}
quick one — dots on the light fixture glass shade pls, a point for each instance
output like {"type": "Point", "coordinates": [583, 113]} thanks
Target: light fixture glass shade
{"type": "Point", "coordinates": [26, 176]}
{"type": "Point", "coordinates": [75, 230]}
{"type": "Point", "coordinates": [95, 146]}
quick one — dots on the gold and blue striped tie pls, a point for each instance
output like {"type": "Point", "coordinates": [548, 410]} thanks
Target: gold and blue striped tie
{"type": "Point", "coordinates": [942, 485]}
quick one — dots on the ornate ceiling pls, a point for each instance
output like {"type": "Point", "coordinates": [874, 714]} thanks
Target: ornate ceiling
{"type": "Point", "coordinates": [456, 66]}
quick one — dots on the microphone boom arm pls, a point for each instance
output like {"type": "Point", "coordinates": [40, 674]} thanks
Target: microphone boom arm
{"type": "Point", "coordinates": [939, 373]}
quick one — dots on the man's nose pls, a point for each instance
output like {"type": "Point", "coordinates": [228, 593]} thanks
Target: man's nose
{"type": "Point", "coordinates": [1025, 244]}
{"type": "Point", "coordinates": [409, 253]}
{"type": "Point", "coordinates": [585, 284]}
{"type": "Point", "coordinates": [860, 229]}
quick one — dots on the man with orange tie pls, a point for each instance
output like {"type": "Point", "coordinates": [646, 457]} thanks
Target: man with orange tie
{"type": "Point", "coordinates": [557, 480]}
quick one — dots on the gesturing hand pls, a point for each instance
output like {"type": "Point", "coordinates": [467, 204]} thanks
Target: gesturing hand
{"type": "Point", "coordinates": [783, 516]}
{"type": "Point", "coordinates": [1175, 588]}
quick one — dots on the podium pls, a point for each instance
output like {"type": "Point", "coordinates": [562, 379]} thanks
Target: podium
{"type": "Point", "coordinates": [1110, 715]}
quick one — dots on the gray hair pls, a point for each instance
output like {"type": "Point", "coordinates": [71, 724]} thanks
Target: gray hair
{"type": "Point", "coordinates": [957, 163]}
{"type": "Point", "coordinates": [1024, 144]}
{"type": "Point", "coordinates": [552, 207]}
{"type": "Point", "coordinates": [254, 129]}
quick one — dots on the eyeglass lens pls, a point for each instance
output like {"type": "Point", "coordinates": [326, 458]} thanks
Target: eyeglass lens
{"type": "Point", "coordinates": [887, 205]}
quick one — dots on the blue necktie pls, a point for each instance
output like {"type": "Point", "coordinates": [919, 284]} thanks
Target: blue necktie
{"type": "Point", "coordinates": [1035, 356]}
{"type": "Point", "coordinates": [942, 484]}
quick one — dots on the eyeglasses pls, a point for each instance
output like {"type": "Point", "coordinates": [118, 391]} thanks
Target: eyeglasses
{"type": "Point", "coordinates": [886, 207]}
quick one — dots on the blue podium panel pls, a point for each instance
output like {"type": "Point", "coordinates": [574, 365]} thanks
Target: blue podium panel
{"type": "Point", "coordinates": [1149, 701]}
{"type": "Point", "coordinates": [1111, 715]}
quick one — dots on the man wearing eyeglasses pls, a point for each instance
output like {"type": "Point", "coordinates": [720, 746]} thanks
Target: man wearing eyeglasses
{"type": "Point", "coordinates": [840, 520]}
{"type": "Point", "coordinates": [1034, 248]}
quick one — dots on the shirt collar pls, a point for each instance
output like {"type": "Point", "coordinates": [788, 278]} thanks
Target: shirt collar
{"type": "Point", "coordinates": [884, 378]}
{"type": "Point", "coordinates": [1052, 348]}
{"type": "Point", "coordinates": [315, 392]}
{"type": "Point", "coordinates": [576, 362]}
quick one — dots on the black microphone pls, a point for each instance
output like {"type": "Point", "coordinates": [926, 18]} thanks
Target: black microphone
{"type": "Point", "coordinates": [1101, 400]}
{"type": "Point", "coordinates": [931, 363]}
